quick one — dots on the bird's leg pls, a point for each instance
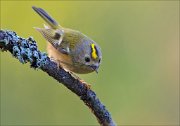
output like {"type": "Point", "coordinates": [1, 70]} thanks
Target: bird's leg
{"type": "Point", "coordinates": [88, 86]}
{"type": "Point", "coordinates": [56, 61]}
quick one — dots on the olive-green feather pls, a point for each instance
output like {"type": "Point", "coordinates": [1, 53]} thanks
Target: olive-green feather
{"type": "Point", "coordinates": [72, 37]}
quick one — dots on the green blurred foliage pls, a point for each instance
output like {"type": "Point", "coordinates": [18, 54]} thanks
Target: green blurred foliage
{"type": "Point", "coordinates": [138, 80]}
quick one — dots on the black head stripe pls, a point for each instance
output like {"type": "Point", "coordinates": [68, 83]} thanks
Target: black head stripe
{"type": "Point", "coordinates": [96, 51]}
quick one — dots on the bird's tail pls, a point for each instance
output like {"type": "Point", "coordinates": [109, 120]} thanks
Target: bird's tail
{"type": "Point", "coordinates": [53, 24]}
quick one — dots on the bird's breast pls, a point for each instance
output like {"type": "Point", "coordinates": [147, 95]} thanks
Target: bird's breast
{"type": "Point", "coordinates": [63, 59]}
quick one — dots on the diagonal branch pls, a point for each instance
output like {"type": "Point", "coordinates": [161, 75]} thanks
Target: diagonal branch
{"type": "Point", "coordinates": [25, 50]}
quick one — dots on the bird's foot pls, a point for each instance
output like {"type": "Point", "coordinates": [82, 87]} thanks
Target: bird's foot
{"type": "Point", "coordinates": [88, 86]}
{"type": "Point", "coordinates": [56, 61]}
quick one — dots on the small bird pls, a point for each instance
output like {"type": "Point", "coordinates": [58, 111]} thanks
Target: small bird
{"type": "Point", "coordinates": [71, 49]}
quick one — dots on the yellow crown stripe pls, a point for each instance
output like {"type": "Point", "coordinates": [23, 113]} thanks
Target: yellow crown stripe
{"type": "Point", "coordinates": [94, 53]}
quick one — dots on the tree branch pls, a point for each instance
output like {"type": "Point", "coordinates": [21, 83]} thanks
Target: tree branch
{"type": "Point", "coordinates": [25, 50]}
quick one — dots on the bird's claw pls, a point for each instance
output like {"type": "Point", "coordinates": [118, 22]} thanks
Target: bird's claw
{"type": "Point", "coordinates": [56, 61]}
{"type": "Point", "coordinates": [88, 86]}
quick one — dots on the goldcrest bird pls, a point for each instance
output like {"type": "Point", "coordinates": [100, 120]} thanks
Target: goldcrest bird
{"type": "Point", "coordinates": [71, 49]}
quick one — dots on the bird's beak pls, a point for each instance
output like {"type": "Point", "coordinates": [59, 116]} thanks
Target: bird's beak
{"type": "Point", "coordinates": [95, 68]}
{"type": "Point", "coordinates": [96, 71]}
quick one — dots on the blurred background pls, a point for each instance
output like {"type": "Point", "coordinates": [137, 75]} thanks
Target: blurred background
{"type": "Point", "coordinates": [138, 80]}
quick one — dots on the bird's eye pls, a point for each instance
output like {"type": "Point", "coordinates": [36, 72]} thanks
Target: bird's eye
{"type": "Point", "coordinates": [87, 59]}
{"type": "Point", "coordinates": [99, 60]}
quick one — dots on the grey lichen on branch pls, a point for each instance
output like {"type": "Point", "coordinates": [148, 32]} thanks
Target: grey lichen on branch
{"type": "Point", "coordinates": [26, 50]}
